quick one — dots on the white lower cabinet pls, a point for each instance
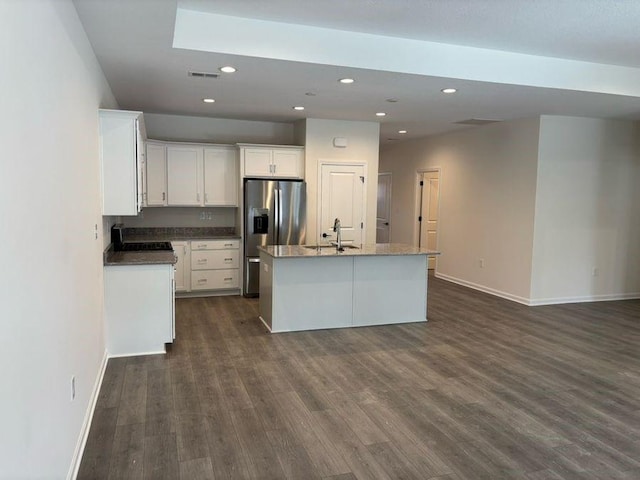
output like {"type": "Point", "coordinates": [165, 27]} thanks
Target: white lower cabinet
{"type": "Point", "coordinates": [183, 265]}
{"type": "Point", "coordinates": [139, 308]}
{"type": "Point", "coordinates": [207, 265]}
{"type": "Point", "coordinates": [215, 264]}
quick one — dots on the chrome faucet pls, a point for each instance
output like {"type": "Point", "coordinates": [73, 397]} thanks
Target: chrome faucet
{"type": "Point", "coordinates": [336, 228]}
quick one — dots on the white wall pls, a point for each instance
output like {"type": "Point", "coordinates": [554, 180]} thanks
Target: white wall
{"type": "Point", "coordinates": [184, 128]}
{"type": "Point", "coordinates": [51, 290]}
{"type": "Point", "coordinates": [587, 210]}
{"type": "Point", "coordinates": [487, 201]}
{"type": "Point", "coordinates": [363, 146]}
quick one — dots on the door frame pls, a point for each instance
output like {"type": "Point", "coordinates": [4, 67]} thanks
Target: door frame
{"type": "Point", "coordinates": [322, 163]}
{"type": "Point", "coordinates": [390, 174]}
{"type": "Point", "coordinates": [418, 203]}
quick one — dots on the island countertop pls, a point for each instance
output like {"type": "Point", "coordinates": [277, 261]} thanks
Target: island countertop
{"type": "Point", "coordinates": [307, 251]}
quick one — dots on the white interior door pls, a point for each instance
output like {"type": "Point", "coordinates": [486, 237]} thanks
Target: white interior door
{"type": "Point", "coordinates": [429, 213]}
{"type": "Point", "coordinates": [384, 208]}
{"type": "Point", "coordinates": [342, 196]}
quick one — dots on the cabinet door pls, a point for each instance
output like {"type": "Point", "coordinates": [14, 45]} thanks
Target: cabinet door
{"type": "Point", "coordinates": [220, 177]}
{"type": "Point", "coordinates": [120, 135]}
{"type": "Point", "coordinates": [156, 175]}
{"type": "Point", "coordinates": [288, 163]}
{"type": "Point", "coordinates": [141, 155]}
{"type": "Point", "coordinates": [182, 266]}
{"type": "Point", "coordinates": [184, 176]}
{"type": "Point", "coordinates": [257, 162]}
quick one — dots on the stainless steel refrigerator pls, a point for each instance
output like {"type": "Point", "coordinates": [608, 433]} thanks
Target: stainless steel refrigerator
{"type": "Point", "coordinates": [274, 214]}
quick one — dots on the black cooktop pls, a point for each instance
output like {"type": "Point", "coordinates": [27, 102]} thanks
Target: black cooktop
{"type": "Point", "coordinates": [145, 246]}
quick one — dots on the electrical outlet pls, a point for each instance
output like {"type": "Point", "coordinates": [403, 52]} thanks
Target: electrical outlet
{"type": "Point", "coordinates": [209, 216]}
{"type": "Point", "coordinates": [203, 215]}
{"type": "Point", "coordinates": [73, 387]}
{"type": "Point", "coordinates": [481, 262]}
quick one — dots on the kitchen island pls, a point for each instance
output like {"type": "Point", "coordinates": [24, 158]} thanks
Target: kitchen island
{"type": "Point", "coordinates": [311, 288]}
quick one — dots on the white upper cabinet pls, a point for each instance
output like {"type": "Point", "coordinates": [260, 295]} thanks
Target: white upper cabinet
{"type": "Point", "coordinates": [272, 162]}
{"type": "Point", "coordinates": [257, 162]}
{"type": "Point", "coordinates": [156, 179]}
{"type": "Point", "coordinates": [184, 175]}
{"type": "Point", "coordinates": [288, 163]}
{"type": "Point", "coordinates": [220, 176]}
{"type": "Point", "coordinates": [122, 137]}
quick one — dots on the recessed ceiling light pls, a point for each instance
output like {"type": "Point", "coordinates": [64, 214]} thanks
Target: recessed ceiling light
{"type": "Point", "coordinates": [347, 80]}
{"type": "Point", "coordinates": [380, 114]}
{"type": "Point", "coordinates": [402, 131]}
{"type": "Point", "coordinates": [448, 90]}
{"type": "Point", "coordinates": [228, 69]}
{"type": "Point", "coordinates": [208, 100]}
{"type": "Point", "coordinates": [298, 108]}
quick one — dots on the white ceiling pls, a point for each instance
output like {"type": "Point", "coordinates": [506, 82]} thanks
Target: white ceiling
{"type": "Point", "coordinates": [133, 42]}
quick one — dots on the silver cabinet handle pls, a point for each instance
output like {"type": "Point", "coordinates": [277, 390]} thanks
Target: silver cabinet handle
{"type": "Point", "coordinates": [202, 260]}
{"type": "Point", "coordinates": [164, 196]}
{"type": "Point", "coordinates": [228, 279]}
{"type": "Point", "coordinates": [228, 259]}
{"type": "Point", "coordinates": [184, 249]}
{"type": "Point", "coordinates": [202, 245]}
{"type": "Point", "coordinates": [202, 280]}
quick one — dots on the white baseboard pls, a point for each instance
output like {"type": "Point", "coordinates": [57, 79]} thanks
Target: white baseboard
{"type": "Point", "coordinates": [540, 301]}
{"type": "Point", "coordinates": [265, 324]}
{"type": "Point", "coordinates": [482, 288]}
{"type": "Point", "coordinates": [88, 417]}
{"type": "Point", "coordinates": [584, 299]}
{"type": "Point", "coordinates": [139, 354]}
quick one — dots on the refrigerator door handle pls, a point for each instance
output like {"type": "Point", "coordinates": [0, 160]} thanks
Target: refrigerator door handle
{"type": "Point", "coordinates": [276, 216]}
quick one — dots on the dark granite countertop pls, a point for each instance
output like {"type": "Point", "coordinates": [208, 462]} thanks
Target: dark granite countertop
{"type": "Point", "coordinates": [162, 234]}
{"type": "Point", "coordinates": [112, 258]}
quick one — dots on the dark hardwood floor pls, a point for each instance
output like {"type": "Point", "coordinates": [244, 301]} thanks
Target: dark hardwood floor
{"type": "Point", "coordinates": [487, 389]}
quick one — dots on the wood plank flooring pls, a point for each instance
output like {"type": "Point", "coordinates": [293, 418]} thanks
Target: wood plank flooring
{"type": "Point", "coordinates": [487, 389]}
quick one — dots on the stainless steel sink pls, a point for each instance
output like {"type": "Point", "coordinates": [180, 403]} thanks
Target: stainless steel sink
{"type": "Point", "coordinates": [344, 247]}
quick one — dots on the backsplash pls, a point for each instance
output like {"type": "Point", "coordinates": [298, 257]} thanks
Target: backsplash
{"type": "Point", "coordinates": [194, 217]}
{"type": "Point", "coordinates": [178, 232]}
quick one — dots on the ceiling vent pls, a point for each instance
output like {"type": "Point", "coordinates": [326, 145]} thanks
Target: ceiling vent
{"type": "Point", "coordinates": [203, 75]}
{"type": "Point", "coordinates": [476, 121]}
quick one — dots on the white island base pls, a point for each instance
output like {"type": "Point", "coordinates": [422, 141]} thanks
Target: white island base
{"type": "Point", "coordinates": [312, 292]}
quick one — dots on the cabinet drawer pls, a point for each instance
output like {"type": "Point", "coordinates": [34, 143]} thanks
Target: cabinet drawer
{"type": "Point", "coordinates": [215, 244]}
{"type": "Point", "coordinates": [214, 259]}
{"type": "Point", "coordinates": [214, 279]}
